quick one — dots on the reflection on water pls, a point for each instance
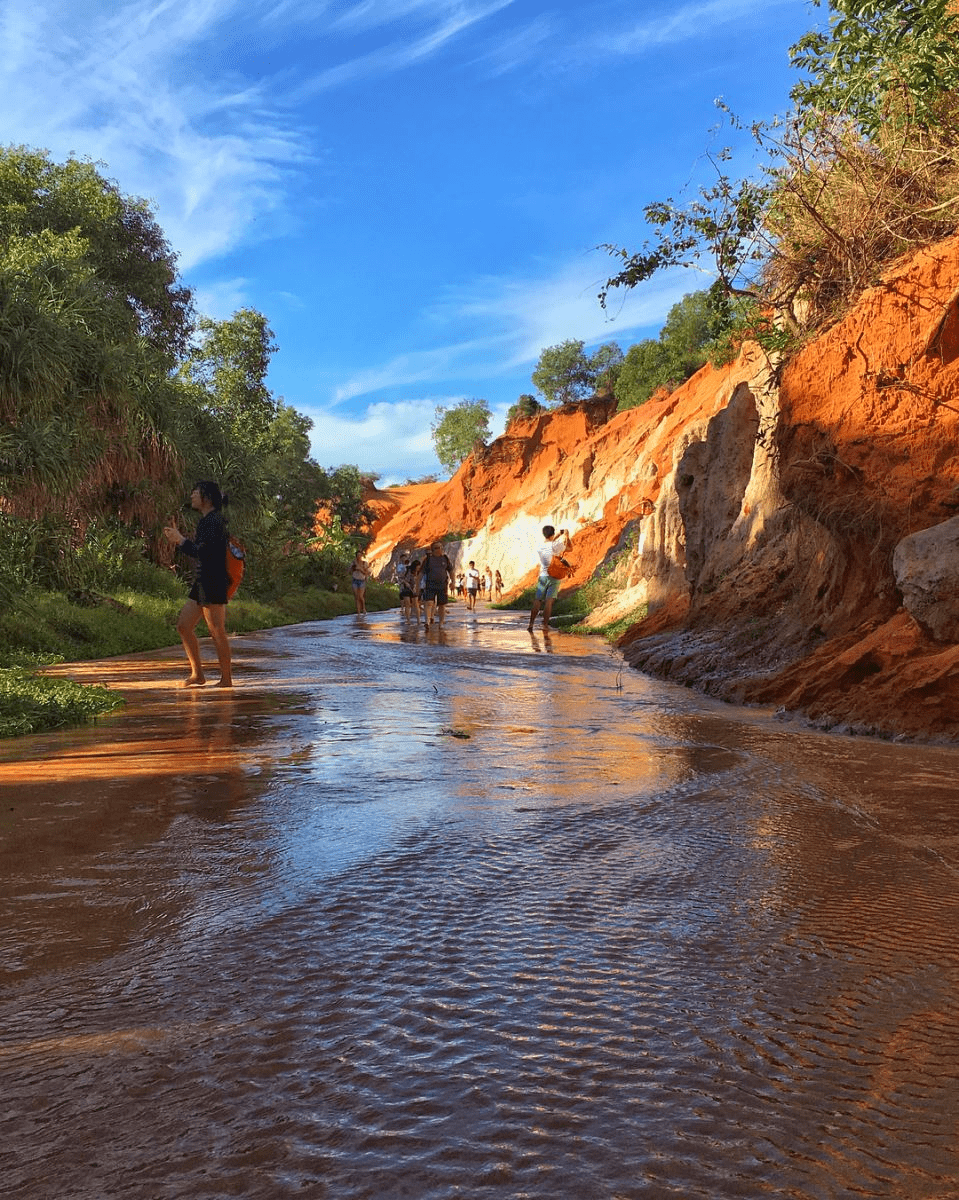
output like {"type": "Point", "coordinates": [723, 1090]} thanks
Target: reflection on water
{"type": "Point", "coordinates": [429, 914]}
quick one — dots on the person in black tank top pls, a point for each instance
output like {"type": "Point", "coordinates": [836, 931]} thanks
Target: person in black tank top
{"type": "Point", "coordinates": [207, 597]}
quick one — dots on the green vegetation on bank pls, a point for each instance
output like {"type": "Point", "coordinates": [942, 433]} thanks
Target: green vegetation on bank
{"type": "Point", "coordinates": [864, 169]}
{"type": "Point", "coordinates": [30, 703]}
{"type": "Point", "coordinates": [53, 629]}
{"type": "Point", "coordinates": [572, 609]}
{"type": "Point", "coordinates": [115, 398]}
{"type": "Point", "coordinates": [569, 608]}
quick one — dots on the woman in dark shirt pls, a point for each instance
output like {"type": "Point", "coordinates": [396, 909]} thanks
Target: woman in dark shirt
{"type": "Point", "coordinates": [208, 594]}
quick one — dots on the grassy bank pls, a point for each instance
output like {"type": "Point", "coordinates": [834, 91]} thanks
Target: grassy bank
{"type": "Point", "coordinates": [567, 609]}
{"type": "Point", "coordinates": [573, 608]}
{"type": "Point", "coordinates": [49, 627]}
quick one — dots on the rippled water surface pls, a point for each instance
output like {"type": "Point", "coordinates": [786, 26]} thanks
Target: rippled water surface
{"type": "Point", "coordinates": [471, 915]}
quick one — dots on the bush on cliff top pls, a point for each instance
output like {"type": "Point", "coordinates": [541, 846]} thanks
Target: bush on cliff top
{"type": "Point", "coordinates": [865, 168]}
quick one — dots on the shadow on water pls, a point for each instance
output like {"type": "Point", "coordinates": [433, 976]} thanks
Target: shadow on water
{"type": "Point", "coordinates": [471, 912]}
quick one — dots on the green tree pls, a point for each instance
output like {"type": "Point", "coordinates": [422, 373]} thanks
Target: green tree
{"type": "Point", "coordinates": [295, 482]}
{"type": "Point", "coordinates": [457, 430]}
{"type": "Point", "coordinates": [233, 437]}
{"type": "Point", "coordinates": [525, 407]}
{"type": "Point", "coordinates": [91, 317]}
{"type": "Point", "coordinates": [643, 372]}
{"type": "Point", "coordinates": [605, 365]}
{"type": "Point", "coordinates": [881, 60]}
{"type": "Point", "coordinates": [685, 341]}
{"type": "Point", "coordinates": [227, 367]}
{"type": "Point", "coordinates": [343, 495]}
{"type": "Point", "coordinates": [561, 375]}
{"type": "Point", "coordinates": [565, 373]}
{"type": "Point", "coordinates": [124, 247]}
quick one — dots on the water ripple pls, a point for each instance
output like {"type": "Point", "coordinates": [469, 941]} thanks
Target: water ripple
{"type": "Point", "coordinates": [684, 956]}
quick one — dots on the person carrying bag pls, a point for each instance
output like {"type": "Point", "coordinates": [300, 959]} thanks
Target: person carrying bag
{"type": "Point", "coordinates": [553, 569]}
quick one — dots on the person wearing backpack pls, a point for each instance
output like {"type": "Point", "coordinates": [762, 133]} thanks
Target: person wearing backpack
{"type": "Point", "coordinates": [437, 570]}
{"type": "Point", "coordinates": [208, 595]}
{"type": "Point", "coordinates": [547, 586]}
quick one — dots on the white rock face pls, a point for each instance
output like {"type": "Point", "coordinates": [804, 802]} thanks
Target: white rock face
{"type": "Point", "coordinates": [926, 565]}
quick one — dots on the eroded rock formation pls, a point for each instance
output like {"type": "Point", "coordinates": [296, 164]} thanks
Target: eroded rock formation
{"type": "Point", "coordinates": [756, 521]}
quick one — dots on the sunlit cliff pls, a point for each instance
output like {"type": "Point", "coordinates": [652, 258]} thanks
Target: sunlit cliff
{"type": "Point", "coordinates": [793, 534]}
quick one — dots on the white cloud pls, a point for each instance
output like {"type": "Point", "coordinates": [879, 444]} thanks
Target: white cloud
{"type": "Point", "coordinates": [129, 85]}
{"type": "Point", "coordinates": [393, 439]}
{"type": "Point", "coordinates": [418, 366]}
{"type": "Point", "coordinates": [518, 47]}
{"type": "Point", "coordinates": [121, 85]}
{"type": "Point", "coordinates": [370, 14]}
{"type": "Point", "coordinates": [221, 299]}
{"type": "Point", "coordinates": [536, 313]}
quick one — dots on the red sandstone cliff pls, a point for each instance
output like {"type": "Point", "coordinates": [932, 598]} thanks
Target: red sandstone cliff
{"type": "Point", "coordinates": [766, 524]}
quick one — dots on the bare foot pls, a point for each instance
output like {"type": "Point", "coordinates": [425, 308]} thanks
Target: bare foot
{"type": "Point", "coordinates": [224, 683]}
{"type": "Point", "coordinates": [194, 681]}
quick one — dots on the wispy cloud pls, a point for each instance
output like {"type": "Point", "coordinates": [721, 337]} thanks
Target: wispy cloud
{"type": "Point", "coordinates": [518, 47]}
{"type": "Point", "coordinates": [521, 318]}
{"type": "Point", "coordinates": [685, 23]}
{"type": "Point", "coordinates": [221, 299]}
{"type": "Point", "coordinates": [372, 14]}
{"type": "Point", "coordinates": [122, 86]}
{"type": "Point", "coordinates": [417, 366]}
{"type": "Point", "coordinates": [534, 313]}
{"type": "Point", "coordinates": [131, 85]}
{"type": "Point", "coordinates": [449, 21]}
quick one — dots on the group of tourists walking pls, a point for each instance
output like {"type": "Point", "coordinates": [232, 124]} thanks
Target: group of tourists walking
{"type": "Point", "coordinates": [426, 585]}
{"type": "Point", "coordinates": [425, 581]}
{"type": "Point", "coordinates": [473, 584]}
{"type": "Point", "coordinates": [428, 581]}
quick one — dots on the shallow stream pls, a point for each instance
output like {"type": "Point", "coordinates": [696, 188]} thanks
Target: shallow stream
{"type": "Point", "coordinates": [471, 914]}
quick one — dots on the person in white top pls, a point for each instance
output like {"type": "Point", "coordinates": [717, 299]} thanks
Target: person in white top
{"type": "Point", "coordinates": [472, 586]}
{"type": "Point", "coordinates": [547, 588]}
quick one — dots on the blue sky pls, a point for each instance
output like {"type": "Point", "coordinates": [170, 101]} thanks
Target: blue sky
{"type": "Point", "coordinates": [412, 191]}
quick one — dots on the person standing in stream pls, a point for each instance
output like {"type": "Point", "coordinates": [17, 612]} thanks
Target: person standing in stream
{"type": "Point", "coordinates": [547, 588]}
{"type": "Point", "coordinates": [437, 570]}
{"type": "Point", "coordinates": [472, 586]}
{"type": "Point", "coordinates": [207, 598]}
{"type": "Point", "coordinates": [359, 573]}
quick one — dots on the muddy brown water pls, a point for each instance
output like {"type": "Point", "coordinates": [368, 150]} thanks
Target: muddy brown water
{"type": "Point", "coordinates": [471, 915]}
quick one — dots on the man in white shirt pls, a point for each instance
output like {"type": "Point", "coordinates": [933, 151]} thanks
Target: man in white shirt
{"type": "Point", "coordinates": [547, 588]}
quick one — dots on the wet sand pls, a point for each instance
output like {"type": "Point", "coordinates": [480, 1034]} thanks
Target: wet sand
{"type": "Point", "coordinates": [476, 915]}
